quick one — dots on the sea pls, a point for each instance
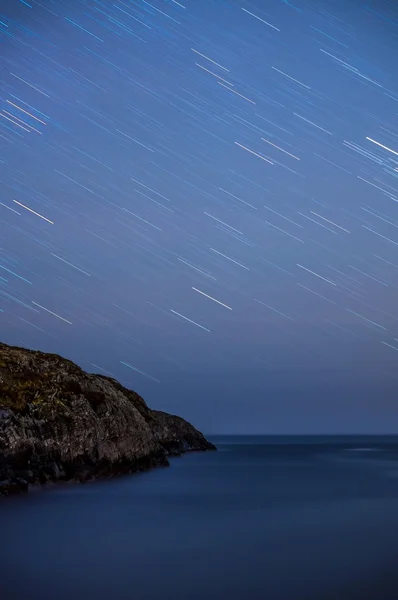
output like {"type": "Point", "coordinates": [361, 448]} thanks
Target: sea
{"type": "Point", "coordinates": [263, 518]}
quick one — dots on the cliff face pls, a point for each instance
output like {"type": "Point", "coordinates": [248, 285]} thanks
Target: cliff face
{"type": "Point", "coordinates": [58, 422]}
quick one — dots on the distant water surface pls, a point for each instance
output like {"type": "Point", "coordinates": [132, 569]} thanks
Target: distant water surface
{"type": "Point", "coordinates": [264, 518]}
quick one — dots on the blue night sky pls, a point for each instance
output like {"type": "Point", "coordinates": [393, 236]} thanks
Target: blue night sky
{"type": "Point", "coordinates": [200, 199]}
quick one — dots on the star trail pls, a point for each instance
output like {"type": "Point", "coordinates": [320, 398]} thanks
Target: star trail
{"type": "Point", "coordinates": [200, 199]}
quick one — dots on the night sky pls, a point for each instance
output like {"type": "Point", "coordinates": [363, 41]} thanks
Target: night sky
{"type": "Point", "coordinates": [200, 199]}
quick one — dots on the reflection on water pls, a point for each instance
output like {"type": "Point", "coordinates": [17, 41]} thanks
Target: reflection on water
{"type": "Point", "coordinates": [263, 518]}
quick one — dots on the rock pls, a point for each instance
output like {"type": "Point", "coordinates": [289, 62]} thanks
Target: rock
{"type": "Point", "coordinates": [59, 423]}
{"type": "Point", "coordinates": [13, 486]}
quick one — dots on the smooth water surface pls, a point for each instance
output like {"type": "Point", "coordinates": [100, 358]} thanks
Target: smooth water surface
{"type": "Point", "coordinates": [281, 518]}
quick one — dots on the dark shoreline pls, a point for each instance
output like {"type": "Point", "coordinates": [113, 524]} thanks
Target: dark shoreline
{"type": "Point", "coordinates": [19, 487]}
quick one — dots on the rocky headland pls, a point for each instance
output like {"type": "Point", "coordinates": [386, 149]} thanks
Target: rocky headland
{"type": "Point", "coordinates": [59, 423]}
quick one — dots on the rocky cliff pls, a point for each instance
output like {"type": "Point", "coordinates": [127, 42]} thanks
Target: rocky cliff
{"type": "Point", "coordinates": [58, 422]}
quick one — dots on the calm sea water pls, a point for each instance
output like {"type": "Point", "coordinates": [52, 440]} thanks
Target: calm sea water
{"type": "Point", "coordinates": [284, 518]}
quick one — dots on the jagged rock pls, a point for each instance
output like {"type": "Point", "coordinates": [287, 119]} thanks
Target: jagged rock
{"type": "Point", "coordinates": [59, 423]}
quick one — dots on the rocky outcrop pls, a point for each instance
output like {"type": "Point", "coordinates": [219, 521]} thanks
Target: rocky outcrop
{"type": "Point", "coordinates": [58, 422]}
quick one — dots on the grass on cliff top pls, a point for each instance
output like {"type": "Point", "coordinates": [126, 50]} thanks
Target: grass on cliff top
{"type": "Point", "coordinates": [17, 394]}
{"type": "Point", "coordinates": [31, 377]}
{"type": "Point", "coordinates": [38, 389]}
{"type": "Point", "coordinates": [25, 379]}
